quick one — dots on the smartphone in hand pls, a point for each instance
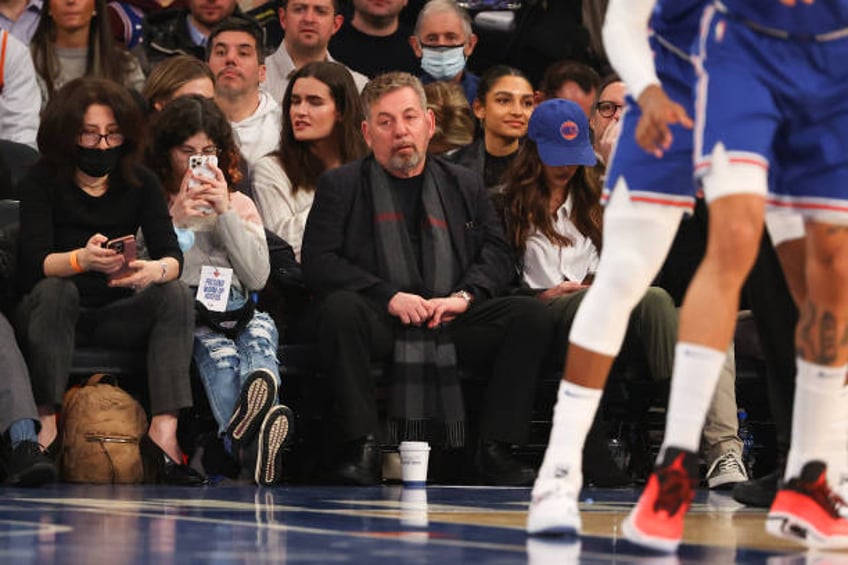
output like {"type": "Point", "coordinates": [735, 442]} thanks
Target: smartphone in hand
{"type": "Point", "coordinates": [201, 165]}
{"type": "Point", "coordinates": [126, 247]}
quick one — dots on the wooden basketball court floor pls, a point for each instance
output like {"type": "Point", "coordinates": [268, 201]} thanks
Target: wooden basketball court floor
{"type": "Point", "coordinates": [112, 525]}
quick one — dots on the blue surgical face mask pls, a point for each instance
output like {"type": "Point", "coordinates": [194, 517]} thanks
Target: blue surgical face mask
{"type": "Point", "coordinates": [442, 63]}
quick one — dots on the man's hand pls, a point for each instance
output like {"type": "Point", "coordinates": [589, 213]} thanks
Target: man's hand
{"type": "Point", "coordinates": [446, 309]}
{"type": "Point", "coordinates": [658, 111]}
{"type": "Point", "coordinates": [410, 308]}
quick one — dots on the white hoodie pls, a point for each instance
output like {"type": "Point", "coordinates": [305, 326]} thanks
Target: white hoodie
{"type": "Point", "coordinates": [259, 134]}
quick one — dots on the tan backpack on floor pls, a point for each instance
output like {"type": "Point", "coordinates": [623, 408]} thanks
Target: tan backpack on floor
{"type": "Point", "coordinates": [101, 429]}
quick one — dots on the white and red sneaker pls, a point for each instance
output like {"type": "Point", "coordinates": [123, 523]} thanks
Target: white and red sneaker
{"type": "Point", "coordinates": [656, 522]}
{"type": "Point", "coordinates": [807, 511]}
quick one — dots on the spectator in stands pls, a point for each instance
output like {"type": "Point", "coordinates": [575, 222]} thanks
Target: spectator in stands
{"type": "Point", "coordinates": [20, 98]}
{"type": "Point", "coordinates": [322, 116]}
{"type": "Point", "coordinates": [375, 28]}
{"type": "Point", "coordinates": [454, 122]}
{"type": "Point", "coordinates": [22, 462]}
{"type": "Point", "coordinates": [443, 41]}
{"type": "Point", "coordinates": [178, 76]}
{"type": "Point", "coordinates": [72, 40]}
{"type": "Point", "coordinates": [393, 285]}
{"type": "Point", "coordinates": [185, 31]}
{"type": "Point", "coordinates": [126, 17]}
{"type": "Point", "coordinates": [20, 18]}
{"type": "Point", "coordinates": [220, 230]}
{"type": "Point", "coordinates": [308, 24]}
{"type": "Point", "coordinates": [553, 219]}
{"type": "Point", "coordinates": [606, 116]}
{"type": "Point", "coordinates": [503, 105]}
{"type": "Point", "coordinates": [554, 222]}
{"type": "Point", "coordinates": [87, 189]}
{"type": "Point", "coordinates": [238, 63]}
{"type": "Point", "coordinates": [571, 80]}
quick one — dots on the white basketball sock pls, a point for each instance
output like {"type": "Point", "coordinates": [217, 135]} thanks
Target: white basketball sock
{"type": "Point", "coordinates": [574, 412]}
{"type": "Point", "coordinates": [816, 422]}
{"type": "Point", "coordinates": [693, 381]}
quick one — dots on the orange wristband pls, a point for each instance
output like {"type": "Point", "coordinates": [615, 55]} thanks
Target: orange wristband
{"type": "Point", "coordinates": [75, 262]}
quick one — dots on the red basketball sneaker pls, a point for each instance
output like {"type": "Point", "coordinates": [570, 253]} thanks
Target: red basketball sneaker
{"type": "Point", "coordinates": [656, 522]}
{"type": "Point", "coordinates": [805, 510]}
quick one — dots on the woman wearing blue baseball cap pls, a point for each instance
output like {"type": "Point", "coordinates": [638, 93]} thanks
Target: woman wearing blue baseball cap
{"type": "Point", "coordinates": [554, 219]}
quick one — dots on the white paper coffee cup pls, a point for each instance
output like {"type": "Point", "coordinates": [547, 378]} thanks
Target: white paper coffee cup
{"type": "Point", "coordinates": [414, 457]}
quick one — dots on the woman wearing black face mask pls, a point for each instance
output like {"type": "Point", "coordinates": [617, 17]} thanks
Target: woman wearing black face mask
{"type": "Point", "coordinates": [87, 189]}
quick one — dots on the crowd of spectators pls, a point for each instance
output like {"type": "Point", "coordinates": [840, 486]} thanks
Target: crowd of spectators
{"type": "Point", "coordinates": [456, 241]}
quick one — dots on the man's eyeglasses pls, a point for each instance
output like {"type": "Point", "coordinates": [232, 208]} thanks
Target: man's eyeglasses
{"type": "Point", "coordinates": [608, 109]}
{"type": "Point", "coordinates": [91, 139]}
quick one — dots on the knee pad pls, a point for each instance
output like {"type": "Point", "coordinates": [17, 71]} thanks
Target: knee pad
{"type": "Point", "coordinates": [727, 176]}
{"type": "Point", "coordinates": [637, 238]}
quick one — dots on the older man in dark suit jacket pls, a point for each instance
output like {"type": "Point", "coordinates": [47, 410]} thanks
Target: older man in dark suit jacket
{"type": "Point", "coordinates": [407, 253]}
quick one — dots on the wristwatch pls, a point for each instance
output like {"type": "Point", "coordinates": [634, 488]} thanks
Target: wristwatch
{"type": "Point", "coordinates": [465, 295]}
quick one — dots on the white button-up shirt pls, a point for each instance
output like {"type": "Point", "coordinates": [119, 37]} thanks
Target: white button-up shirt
{"type": "Point", "coordinates": [547, 263]}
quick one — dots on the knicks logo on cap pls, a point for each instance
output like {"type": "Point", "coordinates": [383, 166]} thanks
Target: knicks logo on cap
{"type": "Point", "coordinates": [569, 130]}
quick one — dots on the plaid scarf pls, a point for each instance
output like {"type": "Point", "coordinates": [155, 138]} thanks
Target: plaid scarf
{"type": "Point", "coordinates": [425, 401]}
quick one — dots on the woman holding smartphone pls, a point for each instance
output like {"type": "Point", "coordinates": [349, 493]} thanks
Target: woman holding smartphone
{"type": "Point", "coordinates": [223, 241]}
{"type": "Point", "coordinates": [87, 189]}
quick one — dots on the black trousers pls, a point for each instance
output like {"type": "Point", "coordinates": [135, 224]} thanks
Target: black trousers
{"type": "Point", "coordinates": [159, 319]}
{"type": "Point", "coordinates": [510, 336]}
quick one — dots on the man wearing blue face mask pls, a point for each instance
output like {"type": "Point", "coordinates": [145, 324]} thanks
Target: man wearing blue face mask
{"type": "Point", "coordinates": [443, 41]}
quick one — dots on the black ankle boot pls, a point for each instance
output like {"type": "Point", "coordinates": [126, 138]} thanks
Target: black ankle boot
{"type": "Point", "coordinates": [159, 468]}
{"type": "Point", "coordinates": [361, 463]}
{"type": "Point", "coordinates": [496, 465]}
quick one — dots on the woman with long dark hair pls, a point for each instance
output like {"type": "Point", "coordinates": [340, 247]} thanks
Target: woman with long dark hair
{"type": "Point", "coordinates": [87, 190]}
{"type": "Point", "coordinates": [503, 107]}
{"type": "Point", "coordinates": [73, 39]}
{"type": "Point", "coordinates": [554, 220]}
{"type": "Point", "coordinates": [322, 117]}
{"type": "Point", "coordinates": [223, 241]}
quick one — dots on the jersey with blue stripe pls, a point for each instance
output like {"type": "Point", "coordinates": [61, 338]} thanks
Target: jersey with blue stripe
{"type": "Point", "coordinates": [667, 181]}
{"type": "Point", "coordinates": [678, 21]}
{"type": "Point", "coordinates": [777, 103]}
{"type": "Point", "coordinates": [820, 17]}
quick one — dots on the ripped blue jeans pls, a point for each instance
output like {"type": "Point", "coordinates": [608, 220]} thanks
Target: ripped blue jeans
{"type": "Point", "coordinates": [224, 364]}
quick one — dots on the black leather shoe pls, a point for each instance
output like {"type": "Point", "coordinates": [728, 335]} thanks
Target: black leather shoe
{"type": "Point", "coordinates": [496, 465]}
{"type": "Point", "coordinates": [27, 466]}
{"type": "Point", "coordinates": [361, 463]}
{"type": "Point", "coordinates": [758, 493]}
{"type": "Point", "coordinates": [159, 468]}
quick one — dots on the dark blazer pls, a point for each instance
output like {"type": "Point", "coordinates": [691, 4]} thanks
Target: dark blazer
{"type": "Point", "coordinates": [339, 247]}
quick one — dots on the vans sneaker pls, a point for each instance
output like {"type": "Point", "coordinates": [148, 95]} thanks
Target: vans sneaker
{"type": "Point", "coordinates": [258, 394]}
{"type": "Point", "coordinates": [726, 471]}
